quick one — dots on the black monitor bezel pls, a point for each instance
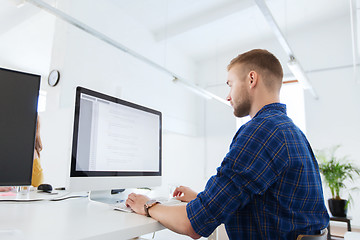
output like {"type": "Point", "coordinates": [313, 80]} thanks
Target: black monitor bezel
{"type": "Point", "coordinates": [74, 172]}
{"type": "Point", "coordinates": [26, 180]}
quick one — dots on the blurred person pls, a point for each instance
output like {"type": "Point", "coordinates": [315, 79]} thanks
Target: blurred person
{"type": "Point", "coordinates": [37, 173]}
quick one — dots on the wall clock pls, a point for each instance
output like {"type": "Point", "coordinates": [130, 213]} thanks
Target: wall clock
{"type": "Point", "coordinates": [53, 78]}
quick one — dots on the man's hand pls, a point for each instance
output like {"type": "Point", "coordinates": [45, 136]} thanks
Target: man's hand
{"type": "Point", "coordinates": [184, 194]}
{"type": "Point", "coordinates": [173, 217]}
{"type": "Point", "coordinates": [137, 202]}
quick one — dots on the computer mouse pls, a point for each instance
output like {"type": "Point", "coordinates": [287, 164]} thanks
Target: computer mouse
{"type": "Point", "coordinates": [44, 187]}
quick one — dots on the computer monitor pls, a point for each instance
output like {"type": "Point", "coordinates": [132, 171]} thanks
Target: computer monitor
{"type": "Point", "coordinates": [19, 93]}
{"type": "Point", "coordinates": [116, 145]}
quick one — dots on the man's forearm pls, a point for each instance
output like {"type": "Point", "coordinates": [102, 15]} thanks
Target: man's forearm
{"type": "Point", "coordinates": [174, 218]}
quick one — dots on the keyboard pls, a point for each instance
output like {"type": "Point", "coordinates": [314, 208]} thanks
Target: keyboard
{"type": "Point", "coordinates": [168, 201]}
{"type": "Point", "coordinates": [121, 206]}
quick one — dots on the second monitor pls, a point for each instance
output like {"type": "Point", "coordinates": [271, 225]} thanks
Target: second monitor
{"type": "Point", "coordinates": [19, 93]}
{"type": "Point", "coordinates": [116, 144]}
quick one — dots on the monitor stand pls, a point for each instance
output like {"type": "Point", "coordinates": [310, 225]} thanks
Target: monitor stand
{"type": "Point", "coordinates": [108, 196]}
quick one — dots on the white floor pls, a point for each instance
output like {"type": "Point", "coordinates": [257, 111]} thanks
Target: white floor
{"type": "Point", "coordinates": [352, 236]}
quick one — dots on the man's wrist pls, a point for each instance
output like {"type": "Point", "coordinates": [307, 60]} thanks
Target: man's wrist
{"type": "Point", "coordinates": [148, 205]}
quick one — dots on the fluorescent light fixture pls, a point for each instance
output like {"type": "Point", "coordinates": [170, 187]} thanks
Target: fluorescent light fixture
{"type": "Point", "coordinates": [300, 75]}
{"type": "Point", "coordinates": [19, 3]}
{"type": "Point", "coordinates": [193, 88]}
{"type": "Point", "coordinates": [293, 64]}
{"type": "Point", "coordinates": [200, 91]}
{"type": "Point", "coordinates": [354, 17]}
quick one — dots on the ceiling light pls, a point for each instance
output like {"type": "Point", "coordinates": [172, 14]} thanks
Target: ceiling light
{"type": "Point", "coordinates": [192, 88]}
{"type": "Point", "coordinates": [200, 91]}
{"type": "Point", "coordinates": [300, 75]}
{"type": "Point", "coordinates": [294, 66]}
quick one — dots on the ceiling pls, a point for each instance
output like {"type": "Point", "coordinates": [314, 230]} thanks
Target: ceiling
{"type": "Point", "coordinates": [205, 28]}
{"type": "Point", "coordinates": [202, 28]}
{"type": "Point", "coordinates": [13, 12]}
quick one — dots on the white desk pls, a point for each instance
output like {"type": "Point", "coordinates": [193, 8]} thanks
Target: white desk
{"type": "Point", "coordinates": [71, 219]}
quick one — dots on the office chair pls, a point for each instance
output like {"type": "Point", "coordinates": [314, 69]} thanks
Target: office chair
{"type": "Point", "coordinates": [322, 236]}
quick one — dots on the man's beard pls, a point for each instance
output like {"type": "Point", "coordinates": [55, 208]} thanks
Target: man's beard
{"type": "Point", "coordinates": [242, 108]}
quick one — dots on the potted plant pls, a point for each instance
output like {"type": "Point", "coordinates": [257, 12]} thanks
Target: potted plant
{"type": "Point", "coordinates": [336, 171]}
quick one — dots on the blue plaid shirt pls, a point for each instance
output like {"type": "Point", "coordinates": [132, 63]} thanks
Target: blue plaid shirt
{"type": "Point", "coordinates": [268, 185]}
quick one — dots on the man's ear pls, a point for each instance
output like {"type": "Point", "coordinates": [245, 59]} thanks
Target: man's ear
{"type": "Point", "coordinates": [253, 78]}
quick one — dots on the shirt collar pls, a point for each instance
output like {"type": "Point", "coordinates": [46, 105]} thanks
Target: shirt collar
{"type": "Point", "coordinates": [272, 106]}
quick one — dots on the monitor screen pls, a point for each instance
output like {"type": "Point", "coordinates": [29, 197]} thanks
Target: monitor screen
{"type": "Point", "coordinates": [116, 144]}
{"type": "Point", "coordinates": [19, 93]}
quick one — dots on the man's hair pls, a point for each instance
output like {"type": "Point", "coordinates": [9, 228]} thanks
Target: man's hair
{"type": "Point", "coordinates": [263, 62]}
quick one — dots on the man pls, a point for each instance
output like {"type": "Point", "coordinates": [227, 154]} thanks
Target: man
{"type": "Point", "coordinates": [268, 185]}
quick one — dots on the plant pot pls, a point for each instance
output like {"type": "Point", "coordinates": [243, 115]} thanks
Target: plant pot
{"type": "Point", "coordinates": [337, 207]}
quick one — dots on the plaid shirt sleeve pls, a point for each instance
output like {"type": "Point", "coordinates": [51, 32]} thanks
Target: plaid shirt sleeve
{"type": "Point", "coordinates": [251, 166]}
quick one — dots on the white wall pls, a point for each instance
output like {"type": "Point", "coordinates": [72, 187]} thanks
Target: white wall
{"type": "Point", "coordinates": [332, 119]}
{"type": "Point", "coordinates": [86, 61]}
{"type": "Point", "coordinates": [27, 45]}
{"type": "Point", "coordinates": [42, 42]}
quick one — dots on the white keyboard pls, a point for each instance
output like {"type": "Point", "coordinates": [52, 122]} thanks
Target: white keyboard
{"type": "Point", "coordinates": [168, 202]}
{"type": "Point", "coordinates": [122, 207]}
